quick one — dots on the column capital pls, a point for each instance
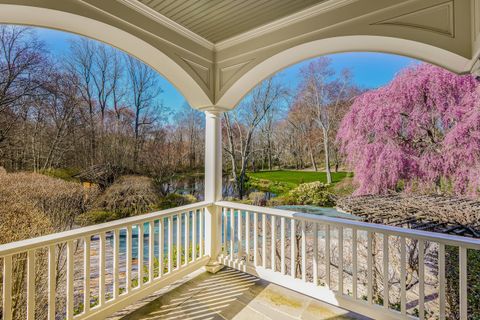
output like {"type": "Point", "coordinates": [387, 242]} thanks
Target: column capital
{"type": "Point", "coordinates": [216, 110]}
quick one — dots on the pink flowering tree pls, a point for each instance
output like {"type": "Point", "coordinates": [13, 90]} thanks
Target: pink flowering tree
{"type": "Point", "coordinates": [422, 130]}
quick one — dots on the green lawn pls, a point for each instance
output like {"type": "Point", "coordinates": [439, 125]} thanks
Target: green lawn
{"type": "Point", "coordinates": [297, 177]}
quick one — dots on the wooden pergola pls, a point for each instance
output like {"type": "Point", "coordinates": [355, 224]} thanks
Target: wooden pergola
{"type": "Point", "coordinates": [437, 213]}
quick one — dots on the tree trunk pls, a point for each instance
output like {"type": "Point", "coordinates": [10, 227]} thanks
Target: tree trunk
{"type": "Point", "coordinates": [269, 155]}
{"type": "Point", "coordinates": [312, 157]}
{"type": "Point", "coordinates": [327, 157]}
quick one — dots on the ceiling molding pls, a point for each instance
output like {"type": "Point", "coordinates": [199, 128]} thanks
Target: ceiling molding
{"type": "Point", "coordinates": [248, 35]}
{"type": "Point", "coordinates": [422, 19]}
{"type": "Point", "coordinates": [172, 25]}
{"type": "Point", "coordinates": [203, 72]}
{"type": "Point", "coordinates": [283, 22]}
{"type": "Point", "coordinates": [228, 72]}
{"type": "Point", "coordinates": [475, 19]}
{"type": "Point", "coordinates": [475, 70]}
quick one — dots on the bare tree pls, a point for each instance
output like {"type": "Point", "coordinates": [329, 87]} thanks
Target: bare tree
{"type": "Point", "coordinates": [241, 124]}
{"type": "Point", "coordinates": [60, 107]}
{"type": "Point", "coordinates": [191, 122]}
{"type": "Point", "coordinates": [144, 92]}
{"type": "Point", "coordinates": [325, 92]}
{"type": "Point", "coordinates": [22, 65]}
{"type": "Point", "coordinates": [267, 130]}
{"type": "Point", "coordinates": [302, 120]}
{"type": "Point", "coordinates": [81, 64]}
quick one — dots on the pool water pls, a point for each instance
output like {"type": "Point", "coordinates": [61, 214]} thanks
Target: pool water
{"type": "Point", "coordinates": [323, 211]}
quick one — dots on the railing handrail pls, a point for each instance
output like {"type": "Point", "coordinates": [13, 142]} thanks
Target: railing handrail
{"type": "Point", "coordinates": [385, 229]}
{"type": "Point", "coordinates": [44, 241]}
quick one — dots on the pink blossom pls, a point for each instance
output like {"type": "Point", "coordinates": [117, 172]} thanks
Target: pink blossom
{"type": "Point", "coordinates": [422, 128]}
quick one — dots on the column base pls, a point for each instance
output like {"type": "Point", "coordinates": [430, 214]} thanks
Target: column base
{"type": "Point", "coordinates": [214, 267]}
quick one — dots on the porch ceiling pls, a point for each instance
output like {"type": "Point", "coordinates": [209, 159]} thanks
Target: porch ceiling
{"type": "Point", "coordinates": [217, 20]}
{"type": "Point", "coordinates": [216, 51]}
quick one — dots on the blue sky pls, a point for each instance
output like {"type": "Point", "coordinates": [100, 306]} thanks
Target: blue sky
{"type": "Point", "coordinates": [370, 70]}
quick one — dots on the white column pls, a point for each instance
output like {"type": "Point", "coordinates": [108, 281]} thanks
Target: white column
{"type": "Point", "coordinates": [213, 187]}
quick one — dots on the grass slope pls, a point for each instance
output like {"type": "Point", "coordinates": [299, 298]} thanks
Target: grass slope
{"type": "Point", "coordinates": [297, 177]}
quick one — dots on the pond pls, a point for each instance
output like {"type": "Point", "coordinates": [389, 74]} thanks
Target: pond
{"type": "Point", "coordinates": [195, 186]}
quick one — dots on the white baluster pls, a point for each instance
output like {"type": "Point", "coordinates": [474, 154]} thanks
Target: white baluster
{"type": "Point", "coordinates": [421, 276]}
{"type": "Point", "coordinates": [403, 276]}
{"type": "Point", "coordinates": [140, 247]}
{"type": "Point", "coordinates": [463, 284]}
{"type": "Point", "coordinates": [255, 239]}
{"type": "Point", "coordinates": [232, 234]}
{"type": "Point", "coordinates": [247, 237]}
{"type": "Point", "coordinates": [293, 251]}
{"type": "Point", "coordinates": [194, 235]}
{"type": "Point", "coordinates": [315, 253]}
{"type": "Point", "coordinates": [52, 270]}
{"type": "Point", "coordinates": [151, 252]}
{"type": "Point", "coordinates": [370, 267]}
{"type": "Point", "coordinates": [179, 240]}
{"type": "Point", "coordinates": [187, 237]}
{"type": "Point", "coordinates": [264, 240]}
{"type": "Point", "coordinates": [202, 233]}
{"type": "Point", "coordinates": [116, 256]}
{"type": "Point", "coordinates": [239, 235]}
{"type": "Point", "coordinates": [304, 251]}
{"type": "Point", "coordinates": [101, 268]}
{"type": "Point", "coordinates": [441, 280]}
{"type": "Point", "coordinates": [354, 263]}
{"type": "Point", "coordinates": [273, 245]}
{"type": "Point", "coordinates": [225, 231]}
{"type": "Point", "coordinates": [282, 245]}
{"type": "Point", "coordinates": [161, 246]}
{"type": "Point", "coordinates": [70, 274]}
{"type": "Point", "coordinates": [340, 260]}
{"type": "Point", "coordinates": [170, 244]}
{"type": "Point", "coordinates": [128, 256]}
{"type": "Point", "coordinates": [386, 285]}
{"type": "Point", "coordinates": [327, 255]}
{"type": "Point", "coordinates": [7, 288]}
{"type": "Point", "coordinates": [31, 284]}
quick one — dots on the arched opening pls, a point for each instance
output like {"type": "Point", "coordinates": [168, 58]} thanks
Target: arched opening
{"type": "Point", "coordinates": [159, 61]}
{"type": "Point", "coordinates": [241, 86]}
{"type": "Point", "coordinates": [156, 248]}
{"type": "Point", "coordinates": [413, 156]}
{"type": "Point", "coordinates": [87, 113]}
{"type": "Point", "coordinates": [88, 134]}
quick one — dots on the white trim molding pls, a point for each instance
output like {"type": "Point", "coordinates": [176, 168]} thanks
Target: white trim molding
{"type": "Point", "coordinates": [144, 51]}
{"type": "Point", "coordinates": [361, 43]}
{"type": "Point", "coordinates": [316, 10]}
{"type": "Point", "coordinates": [166, 22]}
{"type": "Point", "coordinates": [243, 37]}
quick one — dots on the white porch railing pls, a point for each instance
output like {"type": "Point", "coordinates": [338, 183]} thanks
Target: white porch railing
{"type": "Point", "coordinates": [346, 262]}
{"type": "Point", "coordinates": [95, 257]}
{"type": "Point", "coordinates": [363, 267]}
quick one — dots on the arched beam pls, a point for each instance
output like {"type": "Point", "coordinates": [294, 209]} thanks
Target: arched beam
{"type": "Point", "coordinates": [64, 21]}
{"type": "Point", "coordinates": [362, 43]}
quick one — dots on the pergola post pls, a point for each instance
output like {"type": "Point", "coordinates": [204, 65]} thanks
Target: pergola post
{"type": "Point", "coordinates": [213, 187]}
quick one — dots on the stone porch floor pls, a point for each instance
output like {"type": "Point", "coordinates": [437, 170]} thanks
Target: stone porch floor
{"type": "Point", "coordinates": [231, 294]}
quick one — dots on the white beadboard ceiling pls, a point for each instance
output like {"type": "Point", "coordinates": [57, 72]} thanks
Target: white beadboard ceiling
{"type": "Point", "coordinates": [217, 20]}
